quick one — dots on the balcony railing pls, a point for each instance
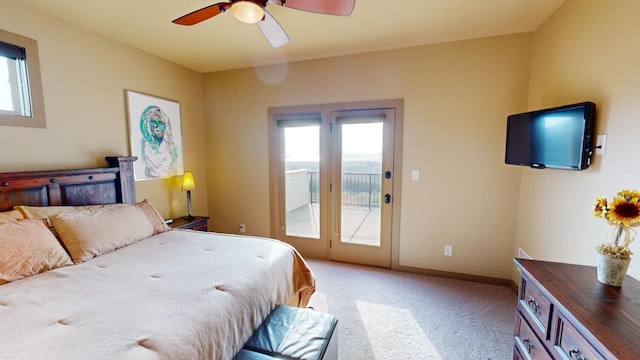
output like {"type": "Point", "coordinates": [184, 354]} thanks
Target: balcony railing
{"type": "Point", "coordinates": [357, 189]}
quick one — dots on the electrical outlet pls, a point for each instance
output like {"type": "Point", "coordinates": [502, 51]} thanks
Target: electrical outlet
{"type": "Point", "coordinates": [242, 228]}
{"type": "Point", "coordinates": [601, 144]}
{"type": "Point", "coordinates": [448, 250]}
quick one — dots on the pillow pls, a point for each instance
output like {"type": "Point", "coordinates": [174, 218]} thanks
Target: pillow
{"type": "Point", "coordinates": [28, 248]}
{"type": "Point", "coordinates": [45, 212]}
{"type": "Point", "coordinates": [157, 221]}
{"type": "Point", "coordinates": [93, 232]}
{"type": "Point", "coordinates": [10, 216]}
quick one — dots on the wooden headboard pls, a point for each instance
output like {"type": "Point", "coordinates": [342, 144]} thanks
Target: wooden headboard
{"type": "Point", "coordinates": [113, 184]}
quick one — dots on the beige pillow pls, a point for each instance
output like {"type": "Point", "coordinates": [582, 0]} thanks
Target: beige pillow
{"type": "Point", "coordinates": [46, 212]}
{"type": "Point", "coordinates": [93, 232]}
{"type": "Point", "coordinates": [157, 221]}
{"type": "Point", "coordinates": [27, 248]}
{"type": "Point", "coordinates": [10, 216]}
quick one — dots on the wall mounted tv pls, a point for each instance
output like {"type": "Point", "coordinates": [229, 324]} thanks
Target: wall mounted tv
{"type": "Point", "coordinates": [558, 138]}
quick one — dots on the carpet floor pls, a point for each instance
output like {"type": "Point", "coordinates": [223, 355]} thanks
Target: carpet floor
{"type": "Point", "coordinates": [384, 314]}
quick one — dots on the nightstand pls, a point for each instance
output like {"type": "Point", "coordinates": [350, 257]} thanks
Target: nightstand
{"type": "Point", "coordinates": [198, 223]}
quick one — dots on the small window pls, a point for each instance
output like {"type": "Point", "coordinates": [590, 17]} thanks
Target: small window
{"type": "Point", "coordinates": [21, 100]}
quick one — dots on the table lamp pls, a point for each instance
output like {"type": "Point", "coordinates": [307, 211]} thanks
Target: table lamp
{"type": "Point", "coordinates": [188, 184]}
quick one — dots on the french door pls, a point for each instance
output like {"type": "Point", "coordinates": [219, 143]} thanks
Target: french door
{"type": "Point", "coordinates": [361, 186]}
{"type": "Point", "coordinates": [333, 180]}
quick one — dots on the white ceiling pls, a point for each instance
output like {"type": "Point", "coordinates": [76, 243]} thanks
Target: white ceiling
{"type": "Point", "coordinates": [223, 43]}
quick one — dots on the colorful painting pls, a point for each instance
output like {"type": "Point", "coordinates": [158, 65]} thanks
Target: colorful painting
{"type": "Point", "coordinates": [156, 137]}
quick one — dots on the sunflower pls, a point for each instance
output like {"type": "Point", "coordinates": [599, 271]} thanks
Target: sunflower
{"type": "Point", "coordinates": [628, 194]}
{"type": "Point", "coordinates": [623, 214]}
{"type": "Point", "coordinates": [599, 207]}
{"type": "Point", "coordinates": [624, 209]}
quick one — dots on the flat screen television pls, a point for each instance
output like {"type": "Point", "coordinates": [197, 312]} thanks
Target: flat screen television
{"type": "Point", "coordinates": [558, 138]}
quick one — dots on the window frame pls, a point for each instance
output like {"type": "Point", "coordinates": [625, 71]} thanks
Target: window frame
{"type": "Point", "coordinates": [34, 82]}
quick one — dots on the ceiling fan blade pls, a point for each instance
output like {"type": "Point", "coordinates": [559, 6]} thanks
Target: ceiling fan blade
{"type": "Point", "coordinates": [328, 7]}
{"type": "Point", "coordinates": [272, 30]}
{"type": "Point", "coordinates": [203, 14]}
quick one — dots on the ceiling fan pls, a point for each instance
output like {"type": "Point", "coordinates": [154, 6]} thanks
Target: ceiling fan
{"type": "Point", "coordinates": [255, 12]}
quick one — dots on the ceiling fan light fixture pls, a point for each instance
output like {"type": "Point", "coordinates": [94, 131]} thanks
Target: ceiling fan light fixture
{"type": "Point", "coordinates": [247, 12]}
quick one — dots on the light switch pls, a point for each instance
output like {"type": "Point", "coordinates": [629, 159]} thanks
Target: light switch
{"type": "Point", "coordinates": [415, 175]}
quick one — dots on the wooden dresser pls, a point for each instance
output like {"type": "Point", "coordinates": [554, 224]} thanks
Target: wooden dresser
{"type": "Point", "coordinates": [563, 312]}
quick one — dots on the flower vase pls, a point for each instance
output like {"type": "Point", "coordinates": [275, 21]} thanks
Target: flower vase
{"type": "Point", "coordinates": [612, 271]}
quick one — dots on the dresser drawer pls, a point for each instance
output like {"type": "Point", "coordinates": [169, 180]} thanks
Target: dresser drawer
{"type": "Point", "coordinates": [569, 342]}
{"type": "Point", "coordinates": [529, 345]}
{"type": "Point", "coordinates": [536, 307]}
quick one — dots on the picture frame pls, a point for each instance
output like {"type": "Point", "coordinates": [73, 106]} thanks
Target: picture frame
{"type": "Point", "coordinates": [155, 136]}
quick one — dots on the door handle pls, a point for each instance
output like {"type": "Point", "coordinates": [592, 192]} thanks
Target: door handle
{"type": "Point", "coordinates": [387, 198]}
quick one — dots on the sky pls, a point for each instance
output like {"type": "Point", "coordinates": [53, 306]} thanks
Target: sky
{"type": "Point", "coordinates": [363, 139]}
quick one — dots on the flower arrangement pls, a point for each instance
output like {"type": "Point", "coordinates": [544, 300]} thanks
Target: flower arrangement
{"type": "Point", "coordinates": [622, 213]}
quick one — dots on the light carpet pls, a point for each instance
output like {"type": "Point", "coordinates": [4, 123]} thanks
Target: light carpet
{"type": "Point", "coordinates": [384, 314]}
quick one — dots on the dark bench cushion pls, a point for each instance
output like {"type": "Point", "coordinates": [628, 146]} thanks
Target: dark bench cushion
{"type": "Point", "coordinates": [293, 333]}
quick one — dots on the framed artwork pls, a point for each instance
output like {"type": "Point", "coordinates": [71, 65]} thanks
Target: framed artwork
{"type": "Point", "coordinates": [155, 135]}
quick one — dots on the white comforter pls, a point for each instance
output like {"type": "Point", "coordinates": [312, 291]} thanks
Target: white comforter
{"type": "Point", "coordinates": [176, 295]}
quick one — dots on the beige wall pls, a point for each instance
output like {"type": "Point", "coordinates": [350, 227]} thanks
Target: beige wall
{"type": "Point", "coordinates": [84, 80]}
{"type": "Point", "coordinates": [456, 97]}
{"type": "Point", "coordinates": [588, 50]}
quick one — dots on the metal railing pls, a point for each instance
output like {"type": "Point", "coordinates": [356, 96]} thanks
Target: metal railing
{"type": "Point", "coordinates": [357, 189]}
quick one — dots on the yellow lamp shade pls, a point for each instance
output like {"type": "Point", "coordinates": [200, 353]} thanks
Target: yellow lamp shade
{"type": "Point", "coordinates": [188, 183]}
{"type": "Point", "coordinates": [247, 11]}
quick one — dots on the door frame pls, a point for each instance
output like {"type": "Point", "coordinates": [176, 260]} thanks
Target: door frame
{"type": "Point", "coordinates": [320, 248]}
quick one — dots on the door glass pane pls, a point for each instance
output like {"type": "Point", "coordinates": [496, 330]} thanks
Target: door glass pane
{"type": "Point", "coordinates": [6, 98]}
{"type": "Point", "coordinates": [302, 165]}
{"type": "Point", "coordinates": [361, 185]}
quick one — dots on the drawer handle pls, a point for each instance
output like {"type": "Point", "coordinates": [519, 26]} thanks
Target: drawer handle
{"type": "Point", "coordinates": [528, 345]}
{"type": "Point", "coordinates": [575, 354]}
{"type": "Point", "coordinates": [533, 305]}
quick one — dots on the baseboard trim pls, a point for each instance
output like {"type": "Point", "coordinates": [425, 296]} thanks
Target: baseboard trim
{"type": "Point", "coordinates": [454, 275]}
{"type": "Point", "coordinates": [514, 286]}
{"type": "Point", "coordinates": [446, 274]}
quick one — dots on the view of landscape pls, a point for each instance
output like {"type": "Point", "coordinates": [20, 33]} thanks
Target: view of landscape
{"type": "Point", "coordinates": [361, 180]}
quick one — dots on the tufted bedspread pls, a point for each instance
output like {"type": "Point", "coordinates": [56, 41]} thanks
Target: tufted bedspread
{"type": "Point", "coordinates": [177, 295]}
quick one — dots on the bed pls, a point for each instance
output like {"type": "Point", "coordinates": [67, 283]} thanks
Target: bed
{"type": "Point", "coordinates": [103, 286]}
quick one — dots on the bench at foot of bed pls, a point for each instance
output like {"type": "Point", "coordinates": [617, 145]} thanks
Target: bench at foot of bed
{"type": "Point", "coordinates": [293, 333]}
